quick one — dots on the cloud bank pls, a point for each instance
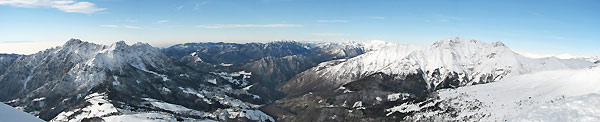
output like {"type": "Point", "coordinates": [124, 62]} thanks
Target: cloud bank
{"type": "Point", "coordinates": [70, 6]}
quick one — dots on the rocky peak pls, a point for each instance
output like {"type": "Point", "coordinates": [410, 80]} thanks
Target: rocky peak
{"type": "Point", "coordinates": [453, 42]}
{"type": "Point", "coordinates": [72, 42]}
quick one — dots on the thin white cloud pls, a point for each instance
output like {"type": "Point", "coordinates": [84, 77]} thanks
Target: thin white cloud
{"type": "Point", "coordinates": [330, 34]}
{"type": "Point", "coordinates": [123, 26]}
{"type": "Point", "coordinates": [162, 21]}
{"type": "Point", "coordinates": [70, 6]}
{"type": "Point", "coordinates": [333, 21]}
{"type": "Point", "coordinates": [443, 20]}
{"type": "Point", "coordinates": [375, 17]}
{"type": "Point", "coordinates": [130, 20]}
{"type": "Point", "coordinates": [110, 26]}
{"type": "Point", "coordinates": [199, 4]}
{"type": "Point", "coordinates": [179, 7]}
{"type": "Point", "coordinates": [216, 26]}
{"type": "Point", "coordinates": [131, 27]}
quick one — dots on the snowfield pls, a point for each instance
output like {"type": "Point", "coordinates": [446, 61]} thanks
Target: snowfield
{"type": "Point", "coordinates": [10, 114]}
{"type": "Point", "coordinates": [584, 108]}
{"type": "Point", "coordinates": [559, 95]}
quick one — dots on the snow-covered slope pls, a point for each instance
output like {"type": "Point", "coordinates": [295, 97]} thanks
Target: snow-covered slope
{"type": "Point", "coordinates": [445, 64]}
{"type": "Point", "coordinates": [558, 95]}
{"type": "Point", "coordinates": [10, 114]}
{"type": "Point", "coordinates": [595, 59]}
{"type": "Point", "coordinates": [583, 108]}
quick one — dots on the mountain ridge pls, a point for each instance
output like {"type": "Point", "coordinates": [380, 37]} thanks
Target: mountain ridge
{"type": "Point", "coordinates": [283, 81]}
{"type": "Point", "coordinates": [449, 63]}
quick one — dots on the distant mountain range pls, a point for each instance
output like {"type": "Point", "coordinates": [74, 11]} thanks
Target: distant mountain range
{"type": "Point", "coordinates": [275, 81]}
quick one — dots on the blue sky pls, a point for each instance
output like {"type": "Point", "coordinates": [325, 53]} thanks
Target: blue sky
{"type": "Point", "coordinates": [550, 27]}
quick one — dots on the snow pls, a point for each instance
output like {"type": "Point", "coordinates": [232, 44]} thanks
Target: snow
{"type": "Point", "coordinates": [196, 57]}
{"type": "Point", "coordinates": [255, 115]}
{"type": "Point", "coordinates": [191, 91]}
{"type": "Point", "coordinates": [229, 77]}
{"type": "Point", "coordinates": [194, 92]}
{"type": "Point", "coordinates": [213, 81]}
{"type": "Point", "coordinates": [373, 45]}
{"type": "Point", "coordinates": [345, 90]}
{"type": "Point", "coordinates": [99, 107]}
{"type": "Point", "coordinates": [408, 107]}
{"type": "Point", "coordinates": [94, 63]}
{"type": "Point", "coordinates": [165, 89]}
{"type": "Point", "coordinates": [184, 75]}
{"type": "Point", "coordinates": [404, 108]}
{"type": "Point", "coordinates": [148, 117]}
{"type": "Point", "coordinates": [39, 99]}
{"type": "Point", "coordinates": [248, 87]}
{"type": "Point", "coordinates": [528, 96]}
{"type": "Point", "coordinates": [226, 65]}
{"type": "Point", "coordinates": [141, 117]}
{"type": "Point", "coordinates": [358, 105]}
{"type": "Point", "coordinates": [106, 111]}
{"type": "Point", "coordinates": [164, 77]}
{"type": "Point", "coordinates": [397, 96]}
{"type": "Point", "coordinates": [116, 82]}
{"type": "Point", "coordinates": [559, 55]}
{"type": "Point", "coordinates": [585, 108]}
{"type": "Point", "coordinates": [10, 114]}
{"type": "Point", "coordinates": [472, 60]}
{"type": "Point", "coordinates": [168, 106]}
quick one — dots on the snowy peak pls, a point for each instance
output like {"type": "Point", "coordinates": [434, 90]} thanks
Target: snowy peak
{"type": "Point", "coordinates": [372, 45]}
{"type": "Point", "coordinates": [466, 43]}
{"type": "Point", "coordinates": [72, 42]}
{"type": "Point", "coordinates": [138, 55]}
{"type": "Point", "coordinates": [86, 62]}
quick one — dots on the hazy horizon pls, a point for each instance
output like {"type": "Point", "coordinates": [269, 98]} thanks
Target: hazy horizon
{"type": "Point", "coordinates": [541, 27]}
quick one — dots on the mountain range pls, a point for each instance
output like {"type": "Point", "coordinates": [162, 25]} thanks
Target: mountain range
{"type": "Point", "coordinates": [278, 81]}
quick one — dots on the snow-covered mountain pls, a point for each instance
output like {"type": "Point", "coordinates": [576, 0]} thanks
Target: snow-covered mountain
{"type": "Point", "coordinates": [82, 81]}
{"type": "Point", "coordinates": [595, 59]}
{"type": "Point", "coordinates": [403, 72]}
{"type": "Point", "coordinates": [462, 61]}
{"type": "Point", "coordinates": [559, 95]}
{"type": "Point", "coordinates": [292, 81]}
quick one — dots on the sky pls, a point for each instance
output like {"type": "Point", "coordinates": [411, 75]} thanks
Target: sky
{"type": "Point", "coordinates": [538, 27]}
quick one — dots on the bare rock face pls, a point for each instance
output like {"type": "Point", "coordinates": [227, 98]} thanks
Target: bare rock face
{"type": "Point", "coordinates": [6, 60]}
